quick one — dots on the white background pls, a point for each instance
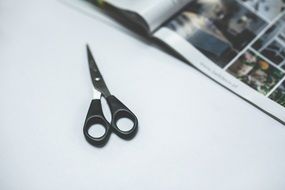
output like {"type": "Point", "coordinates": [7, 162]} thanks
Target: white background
{"type": "Point", "coordinates": [193, 133]}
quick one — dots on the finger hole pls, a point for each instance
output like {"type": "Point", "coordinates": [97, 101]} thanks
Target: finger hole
{"type": "Point", "coordinates": [125, 124]}
{"type": "Point", "coordinates": [97, 131]}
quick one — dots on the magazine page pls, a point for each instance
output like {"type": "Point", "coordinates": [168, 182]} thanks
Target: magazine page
{"type": "Point", "coordinates": [149, 13]}
{"type": "Point", "coordinates": [155, 12]}
{"type": "Point", "coordinates": [238, 43]}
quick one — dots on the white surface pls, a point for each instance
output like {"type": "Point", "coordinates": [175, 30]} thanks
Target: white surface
{"type": "Point", "coordinates": [193, 133]}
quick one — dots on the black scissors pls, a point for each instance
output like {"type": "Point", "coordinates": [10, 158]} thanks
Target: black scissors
{"type": "Point", "coordinates": [95, 114]}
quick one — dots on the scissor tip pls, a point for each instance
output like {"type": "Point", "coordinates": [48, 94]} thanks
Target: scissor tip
{"type": "Point", "coordinates": [88, 50]}
{"type": "Point", "coordinates": [87, 47]}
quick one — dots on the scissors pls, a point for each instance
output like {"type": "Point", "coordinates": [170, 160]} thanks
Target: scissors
{"type": "Point", "coordinates": [95, 116]}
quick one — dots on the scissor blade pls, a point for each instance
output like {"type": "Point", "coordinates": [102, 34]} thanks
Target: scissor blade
{"type": "Point", "coordinates": [96, 77]}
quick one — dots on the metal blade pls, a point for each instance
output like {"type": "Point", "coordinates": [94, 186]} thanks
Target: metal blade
{"type": "Point", "coordinates": [96, 77]}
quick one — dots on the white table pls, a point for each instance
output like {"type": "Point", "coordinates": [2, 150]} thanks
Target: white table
{"type": "Point", "coordinates": [193, 133]}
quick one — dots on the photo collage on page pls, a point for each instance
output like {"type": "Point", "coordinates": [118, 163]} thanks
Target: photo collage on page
{"type": "Point", "coordinates": [246, 38]}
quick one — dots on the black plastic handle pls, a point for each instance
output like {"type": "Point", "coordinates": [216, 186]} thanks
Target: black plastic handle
{"type": "Point", "coordinates": [95, 116]}
{"type": "Point", "coordinates": [119, 111]}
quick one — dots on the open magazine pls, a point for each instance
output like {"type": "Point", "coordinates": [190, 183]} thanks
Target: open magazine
{"type": "Point", "coordinates": [238, 43]}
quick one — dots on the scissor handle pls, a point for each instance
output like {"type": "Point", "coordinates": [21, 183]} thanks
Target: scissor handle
{"type": "Point", "coordinates": [119, 111]}
{"type": "Point", "coordinates": [95, 116]}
